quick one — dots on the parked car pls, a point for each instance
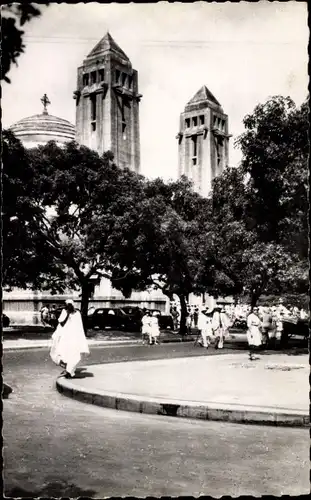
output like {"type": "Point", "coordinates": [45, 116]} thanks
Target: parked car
{"type": "Point", "coordinates": [5, 320]}
{"type": "Point", "coordinates": [106, 317]}
{"type": "Point", "coordinates": [300, 328]}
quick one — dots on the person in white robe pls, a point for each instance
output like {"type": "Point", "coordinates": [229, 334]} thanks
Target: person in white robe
{"type": "Point", "coordinates": [145, 326]}
{"type": "Point", "coordinates": [254, 336]}
{"type": "Point", "coordinates": [154, 331]}
{"type": "Point", "coordinates": [281, 313]}
{"type": "Point", "coordinates": [68, 340]}
{"type": "Point", "coordinates": [205, 327]}
{"type": "Point", "coordinates": [220, 325]}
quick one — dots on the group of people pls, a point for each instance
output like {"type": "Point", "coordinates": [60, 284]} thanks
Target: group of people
{"type": "Point", "coordinates": [213, 325]}
{"type": "Point", "coordinates": [150, 329]}
{"type": "Point", "coordinates": [264, 324]}
{"type": "Point", "coordinates": [49, 316]}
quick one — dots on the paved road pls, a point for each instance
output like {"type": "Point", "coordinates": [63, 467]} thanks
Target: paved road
{"type": "Point", "coordinates": [55, 446]}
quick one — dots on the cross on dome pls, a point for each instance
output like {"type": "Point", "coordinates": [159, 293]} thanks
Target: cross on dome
{"type": "Point", "coordinates": [45, 101]}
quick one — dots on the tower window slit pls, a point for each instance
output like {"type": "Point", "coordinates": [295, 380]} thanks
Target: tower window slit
{"type": "Point", "coordinates": [194, 149]}
{"type": "Point", "coordinates": [93, 77]}
{"type": "Point", "coordinates": [85, 79]}
{"type": "Point", "coordinates": [124, 79]}
{"type": "Point", "coordinates": [202, 120]}
{"type": "Point", "coordinates": [101, 75]}
{"type": "Point", "coordinates": [93, 107]}
{"type": "Point", "coordinates": [195, 121]}
{"type": "Point", "coordinates": [117, 76]}
{"type": "Point", "coordinates": [187, 122]}
{"type": "Point", "coordinates": [130, 80]}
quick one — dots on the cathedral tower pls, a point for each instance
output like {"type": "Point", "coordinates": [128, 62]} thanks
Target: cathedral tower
{"type": "Point", "coordinates": [203, 140]}
{"type": "Point", "coordinates": [107, 104]}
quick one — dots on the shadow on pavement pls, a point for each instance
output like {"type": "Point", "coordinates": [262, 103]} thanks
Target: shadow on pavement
{"type": "Point", "coordinates": [83, 374]}
{"type": "Point", "coordinates": [57, 489]}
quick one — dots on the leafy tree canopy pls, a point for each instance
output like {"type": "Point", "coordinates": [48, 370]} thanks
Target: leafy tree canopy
{"type": "Point", "coordinates": [14, 16]}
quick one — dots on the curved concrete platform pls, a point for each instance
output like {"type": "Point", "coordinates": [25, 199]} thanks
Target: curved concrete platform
{"type": "Point", "coordinates": [272, 390]}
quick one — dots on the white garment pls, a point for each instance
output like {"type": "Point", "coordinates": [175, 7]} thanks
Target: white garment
{"type": "Point", "coordinates": [205, 325]}
{"type": "Point", "coordinates": [220, 326]}
{"type": "Point", "coordinates": [154, 328]}
{"type": "Point", "coordinates": [145, 330]}
{"type": "Point", "coordinates": [254, 336]}
{"type": "Point", "coordinates": [69, 341]}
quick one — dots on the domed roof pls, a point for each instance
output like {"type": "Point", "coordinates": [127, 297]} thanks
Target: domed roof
{"type": "Point", "coordinates": [44, 128]}
{"type": "Point", "coordinates": [38, 129]}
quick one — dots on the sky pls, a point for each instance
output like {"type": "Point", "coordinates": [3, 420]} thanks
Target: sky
{"type": "Point", "coordinates": [243, 52]}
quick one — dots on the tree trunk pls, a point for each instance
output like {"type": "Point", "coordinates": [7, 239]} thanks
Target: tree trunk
{"type": "Point", "coordinates": [85, 303]}
{"type": "Point", "coordinates": [254, 298]}
{"type": "Point", "coordinates": [183, 315]}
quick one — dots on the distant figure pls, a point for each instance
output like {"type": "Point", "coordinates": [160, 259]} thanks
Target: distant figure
{"type": "Point", "coordinates": [189, 319]}
{"type": "Point", "coordinates": [154, 329]}
{"type": "Point", "coordinates": [303, 314]}
{"type": "Point", "coordinates": [45, 315]}
{"type": "Point", "coordinates": [280, 313]}
{"type": "Point", "coordinates": [267, 324]}
{"type": "Point", "coordinates": [195, 317]}
{"type": "Point", "coordinates": [254, 336]}
{"type": "Point", "coordinates": [205, 327]}
{"type": "Point", "coordinates": [68, 340]}
{"type": "Point", "coordinates": [145, 328]}
{"type": "Point", "coordinates": [220, 325]}
{"type": "Point", "coordinates": [53, 317]}
{"type": "Point", "coordinates": [175, 315]}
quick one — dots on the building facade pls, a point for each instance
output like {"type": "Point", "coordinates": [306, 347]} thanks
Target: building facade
{"type": "Point", "coordinates": [203, 141]}
{"type": "Point", "coordinates": [107, 104]}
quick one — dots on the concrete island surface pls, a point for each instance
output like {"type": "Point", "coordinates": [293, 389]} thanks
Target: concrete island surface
{"type": "Point", "coordinates": [270, 390]}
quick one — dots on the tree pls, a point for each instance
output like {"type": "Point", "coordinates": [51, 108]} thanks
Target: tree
{"type": "Point", "coordinates": [81, 207]}
{"type": "Point", "coordinates": [163, 252]}
{"type": "Point", "coordinates": [275, 148]}
{"type": "Point", "coordinates": [12, 45]}
{"type": "Point", "coordinates": [260, 208]}
{"type": "Point", "coordinates": [22, 249]}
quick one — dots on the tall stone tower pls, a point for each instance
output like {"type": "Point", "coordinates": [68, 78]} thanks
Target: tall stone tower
{"type": "Point", "coordinates": [203, 140]}
{"type": "Point", "coordinates": [107, 104]}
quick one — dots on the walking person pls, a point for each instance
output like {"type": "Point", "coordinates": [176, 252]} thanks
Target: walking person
{"type": "Point", "coordinates": [281, 312]}
{"type": "Point", "coordinates": [145, 329]}
{"type": "Point", "coordinates": [205, 327]}
{"type": "Point", "coordinates": [267, 325]}
{"type": "Point", "coordinates": [68, 340]}
{"type": "Point", "coordinates": [53, 317]}
{"type": "Point", "coordinates": [175, 315]}
{"type": "Point", "coordinates": [45, 315]}
{"type": "Point", "coordinates": [196, 317]}
{"type": "Point", "coordinates": [154, 331]}
{"type": "Point", "coordinates": [220, 325]}
{"type": "Point", "coordinates": [254, 336]}
{"type": "Point", "coordinates": [189, 320]}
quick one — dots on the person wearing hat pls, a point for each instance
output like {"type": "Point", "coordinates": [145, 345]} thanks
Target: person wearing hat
{"type": "Point", "coordinates": [220, 325]}
{"type": "Point", "coordinates": [205, 326]}
{"type": "Point", "coordinates": [68, 340]}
